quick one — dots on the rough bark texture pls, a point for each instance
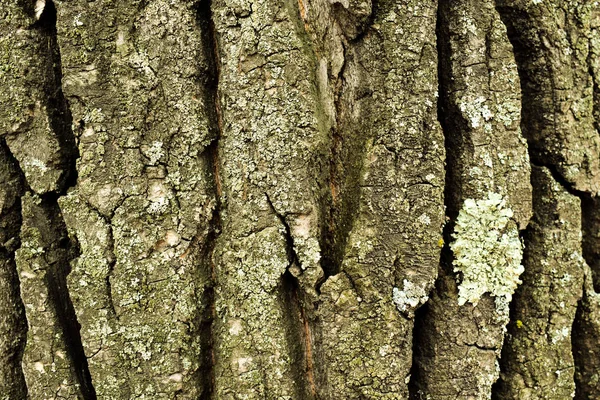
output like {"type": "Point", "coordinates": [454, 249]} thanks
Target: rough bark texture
{"type": "Point", "coordinates": [299, 199]}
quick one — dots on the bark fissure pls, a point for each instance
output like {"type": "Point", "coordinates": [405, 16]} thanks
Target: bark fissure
{"type": "Point", "coordinates": [289, 239]}
{"type": "Point", "coordinates": [295, 305]}
{"type": "Point", "coordinates": [46, 216]}
{"type": "Point", "coordinates": [59, 255]}
{"type": "Point", "coordinates": [206, 25]}
{"type": "Point", "coordinates": [59, 114]}
{"type": "Point", "coordinates": [421, 328]}
{"type": "Point", "coordinates": [540, 81]}
{"type": "Point", "coordinates": [14, 325]}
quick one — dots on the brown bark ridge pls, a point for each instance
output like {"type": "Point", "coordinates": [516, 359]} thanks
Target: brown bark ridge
{"type": "Point", "coordinates": [299, 199]}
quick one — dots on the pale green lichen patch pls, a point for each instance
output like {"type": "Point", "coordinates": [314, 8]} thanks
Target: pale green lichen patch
{"type": "Point", "coordinates": [487, 249]}
{"type": "Point", "coordinates": [409, 297]}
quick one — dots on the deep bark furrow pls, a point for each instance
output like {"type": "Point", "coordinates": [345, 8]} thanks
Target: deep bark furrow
{"type": "Point", "coordinates": [559, 104]}
{"type": "Point", "coordinates": [586, 327]}
{"type": "Point", "coordinates": [206, 25]}
{"type": "Point", "coordinates": [537, 359]}
{"type": "Point", "coordinates": [43, 263]}
{"type": "Point", "coordinates": [13, 324]}
{"type": "Point", "coordinates": [43, 142]}
{"type": "Point", "coordinates": [487, 182]}
{"type": "Point", "coordinates": [584, 341]}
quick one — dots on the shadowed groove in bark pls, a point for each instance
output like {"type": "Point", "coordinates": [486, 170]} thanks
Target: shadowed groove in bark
{"type": "Point", "coordinates": [10, 222]}
{"type": "Point", "coordinates": [59, 113]}
{"type": "Point", "coordinates": [58, 247]}
{"type": "Point", "coordinates": [297, 324]}
{"type": "Point", "coordinates": [205, 24]}
{"type": "Point", "coordinates": [347, 156]}
{"type": "Point", "coordinates": [591, 229]}
{"type": "Point", "coordinates": [347, 153]}
{"type": "Point", "coordinates": [422, 344]}
{"type": "Point", "coordinates": [531, 119]}
{"type": "Point", "coordinates": [111, 267]}
{"type": "Point", "coordinates": [418, 335]}
{"type": "Point", "coordinates": [60, 253]}
{"type": "Point", "coordinates": [299, 336]}
{"type": "Point", "coordinates": [585, 331]}
{"type": "Point", "coordinates": [331, 251]}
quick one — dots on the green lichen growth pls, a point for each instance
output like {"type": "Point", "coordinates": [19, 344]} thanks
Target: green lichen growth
{"type": "Point", "coordinates": [487, 250]}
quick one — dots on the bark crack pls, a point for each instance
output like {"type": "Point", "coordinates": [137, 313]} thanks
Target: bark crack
{"type": "Point", "coordinates": [539, 156]}
{"type": "Point", "coordinates": [206, 25]}
{"type": "Point", "coordinates": [422, 314]}
{"type": "Point", "coordinates": [47, 216]}
{"type": "Point", "coordinates": [10, 226]}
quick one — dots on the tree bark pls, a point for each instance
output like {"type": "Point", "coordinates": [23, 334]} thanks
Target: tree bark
{"type": "Point", "coordinates": [299, 199]}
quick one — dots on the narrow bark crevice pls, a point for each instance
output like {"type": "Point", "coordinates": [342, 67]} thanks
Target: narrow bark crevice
{"type": "Point", "coordinates": [566, 185]}
{"type": "Point", "coordinates": [344, 194]}
{"type": "Point", "coordinates": [58, 253]}
{"type": "Point", "coordinates": [422, 321]}
{"type": "Point", "coordinates": [58, 247]}
{"type": "Point", "coordinates": [298, 324]}
{"type": "Point", "coordinates": [585, 335]}
{"type": "Point", "coordinates": [347, 152]}
{"type": "Point", "coordinates": [15, 322]}
{"type": "Point", "coordinates": [298, 328]}
{"type": "Point", "coordinates": [289, 239]}
{"type": "Point", "coordinates": [339, 188]}
{"type": "Point", "coordinates": [57, 106]}
{"type": "Point", "coordinates": [590, 208]}
{"type": "Point", "coordinates": [419, 332]}
{"type": "Point", "coordinates": [112, 262]}
{"type": "Point", "coordinates": [584, 342]}
{"type": "Point", "coordinates": [206, 375]}
{"type": "Point", "coordinates": [205, 24]}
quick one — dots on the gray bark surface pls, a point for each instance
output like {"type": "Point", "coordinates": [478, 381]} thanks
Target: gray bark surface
{"type": "Point", "coordinates": [299, 199]}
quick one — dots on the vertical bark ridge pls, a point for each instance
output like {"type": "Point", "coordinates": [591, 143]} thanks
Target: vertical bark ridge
{"type": "Point", "coordinates": [272, 167]}
{"type": "Point", "coordinates": [36, 120]}
{"type": "Point", "coordinates": [552, 45]}
{"type": "Point", "coordinates": [139, 78]}
{"type": "Point", "coordinates": [487, 190]}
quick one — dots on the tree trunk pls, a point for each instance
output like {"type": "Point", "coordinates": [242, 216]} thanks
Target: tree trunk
{"type": "Point", "coordinates": [299, 199]}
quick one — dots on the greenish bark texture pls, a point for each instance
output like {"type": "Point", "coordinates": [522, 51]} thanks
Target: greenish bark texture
{"type": "Point", "coordinates": [299, 199]}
